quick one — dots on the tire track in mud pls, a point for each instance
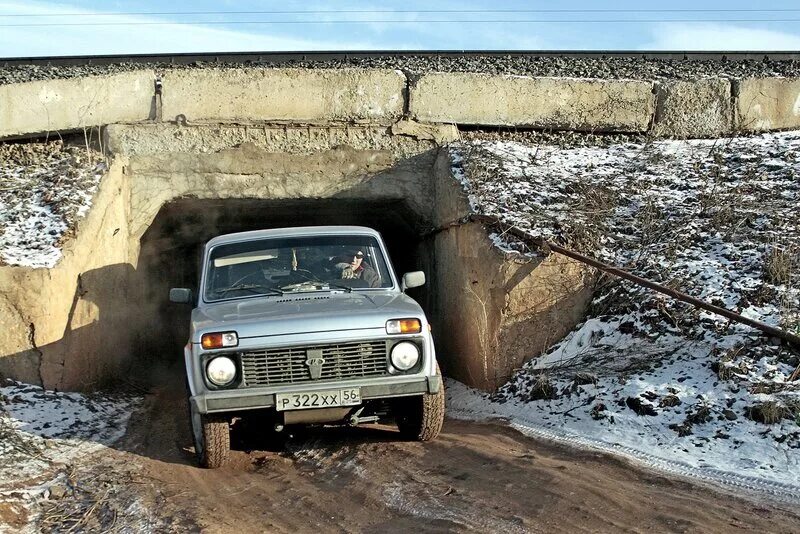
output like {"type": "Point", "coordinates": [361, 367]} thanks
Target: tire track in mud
{"type": "Point", "coordinates": [406, 487]}
{"type": "Point", "coordinates": [746, 485]}
{"type": "Point", "coordinates": [475, 477]}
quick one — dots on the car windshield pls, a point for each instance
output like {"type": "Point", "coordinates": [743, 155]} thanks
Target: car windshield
{"type": "Point", "coordinates": [293, 265]}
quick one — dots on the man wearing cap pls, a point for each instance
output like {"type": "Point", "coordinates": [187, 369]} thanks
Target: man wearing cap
{"type": "Point", "coordinates": [357, 269]}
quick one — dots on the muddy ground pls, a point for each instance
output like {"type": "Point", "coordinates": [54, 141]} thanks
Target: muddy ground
{"type": "Point", "coordinates": [475, 477]}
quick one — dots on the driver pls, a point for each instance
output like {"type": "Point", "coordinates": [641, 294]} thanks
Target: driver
{"type": "Point", "coordinates": [352, 266]}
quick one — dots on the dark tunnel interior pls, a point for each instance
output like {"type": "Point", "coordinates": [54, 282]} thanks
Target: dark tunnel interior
{"type": "Point", "coordinates": [171, 248]}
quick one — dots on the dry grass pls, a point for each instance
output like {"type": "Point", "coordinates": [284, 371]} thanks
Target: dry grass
{"type": "Point", "coordinates": [541, 388]}
{"type": "Point", "coordinates": [769, 412]}
{"type": "Point", "coordinates": [779, 264]}
{"type": "Point", "coordinates": [668, 401]}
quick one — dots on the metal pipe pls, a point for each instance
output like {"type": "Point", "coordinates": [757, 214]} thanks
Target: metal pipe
{"type": "Point", "coordinates": [610, 269]}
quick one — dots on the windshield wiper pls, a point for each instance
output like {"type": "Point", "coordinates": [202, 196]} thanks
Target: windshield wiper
{"type": "Point", "coordinates": [256, 288]}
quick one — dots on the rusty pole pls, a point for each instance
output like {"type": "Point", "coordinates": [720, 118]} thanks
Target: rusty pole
{"type": "Point", "coordinates": [610, 269]}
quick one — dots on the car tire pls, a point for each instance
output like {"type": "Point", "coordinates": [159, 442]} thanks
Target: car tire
{"type": "Point", "coordinates": [212, 439]}
{"type": "Point", "coordinates": [420, 418]}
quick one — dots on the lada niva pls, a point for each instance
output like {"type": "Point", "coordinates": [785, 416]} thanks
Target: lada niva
{"type": "Point", "coordinates": [307, 325]}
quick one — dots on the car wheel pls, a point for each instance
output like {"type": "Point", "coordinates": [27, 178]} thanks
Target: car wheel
{"type": "Point", "coordinates": [421, 417]}
{"type": "Point", "coordinates": [212, 439]}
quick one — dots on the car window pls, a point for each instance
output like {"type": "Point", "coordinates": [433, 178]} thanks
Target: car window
{"type": "Point", "coordinates": [295, 265]}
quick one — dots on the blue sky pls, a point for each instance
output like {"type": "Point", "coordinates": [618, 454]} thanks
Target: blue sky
{"type": "Point", "coordinates": [36, 28]}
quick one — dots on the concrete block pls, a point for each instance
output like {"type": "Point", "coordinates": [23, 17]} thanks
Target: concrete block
{"type": "Point", "coordinates": [441, 134]}
{"type": "Point", "coordinates": [75, 103]}
{"type": "Point", "coordinates": [768, 104]}
{"type": "Point", "coordinates": [303, 95]}
{"type": "Point", "coordinates": [557, 103]}
{"type": "Point", "coordinates": [699, 108]}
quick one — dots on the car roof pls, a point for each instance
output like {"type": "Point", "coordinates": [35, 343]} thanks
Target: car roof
{"type": "Point", "coordinates": [295, 231]}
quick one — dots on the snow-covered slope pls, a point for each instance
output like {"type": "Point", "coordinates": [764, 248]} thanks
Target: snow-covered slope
{"type": "Point", "coordinates": [46, 187]}
{"type": "Point", "coordinates": [644, 373]}
{"type": "Point", "coordinates": [42, 431]}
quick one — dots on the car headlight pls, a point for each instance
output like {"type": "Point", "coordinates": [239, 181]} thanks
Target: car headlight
{"type": "Point", "coordinates": [405, 355]}
{"type": "Point", "coordinates": [221, 371]}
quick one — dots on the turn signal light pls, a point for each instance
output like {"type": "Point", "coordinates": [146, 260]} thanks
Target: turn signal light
{"type": "Point", "coordinates": [218, 340]}
{"type": "Point", "coordinates": [403, 326]}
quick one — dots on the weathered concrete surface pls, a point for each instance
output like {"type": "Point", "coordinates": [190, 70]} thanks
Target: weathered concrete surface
{"type": "Point", "coordinates": [768, 104]}
{"type": "Point", "coordinates": [229, 161]}
{"type": "Point", "coordinates": [698, 108]}
{"type": "Point", "coordinates": [160, 138]}
{"type": "Point", "coordinates": [245, 172]}
{"type": "Point", "coordinates": [493, 311]}
{"type": "Point", "coordinates": [18, 335]}
{"type": "Point", "coordinates": [69, 328]}
{"type": "Point", "coordinates": [301, 95]}
{"type": "Point", "coordinates": [440, 133]}
{"type": "Point", "coordinates": [73, 104]}
{"type": "Point", "coordinates": [557, 103]}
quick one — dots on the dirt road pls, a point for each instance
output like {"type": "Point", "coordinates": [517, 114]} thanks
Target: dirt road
{"type": "Point", "coordinates": [475, 477]}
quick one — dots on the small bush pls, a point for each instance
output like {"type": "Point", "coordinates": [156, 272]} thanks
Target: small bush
{"type": "Point", "coordinates": [598, 411]}
{"type": "Point", "coordinates": [641, 408]}
{"type": "Point", "coordinates": [778, 265]}
{"type": "Point", "coordinates": [768, 412]}
{"type": "Point", "coordinates": [541, 388]}
{"type": "Point", "coordinates": [699, 415]}
{"type": "Point", "coordinates": [668, 401]}
{"type": "Point", "coordinates": [584, 379]}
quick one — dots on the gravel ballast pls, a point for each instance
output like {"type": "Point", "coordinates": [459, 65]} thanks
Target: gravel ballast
{"type": "Point", "coordinates": [415, 65]}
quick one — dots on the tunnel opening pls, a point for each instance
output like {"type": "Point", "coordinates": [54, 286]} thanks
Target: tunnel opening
{"type": "Point", "coordinates": [171, 250]}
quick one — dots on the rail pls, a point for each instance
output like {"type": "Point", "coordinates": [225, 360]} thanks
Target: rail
{"type": "Point", "coordinates": [279, 58]}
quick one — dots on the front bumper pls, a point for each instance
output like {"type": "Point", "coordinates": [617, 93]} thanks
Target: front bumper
{"type": "Point", "coordinates": [239, 399]}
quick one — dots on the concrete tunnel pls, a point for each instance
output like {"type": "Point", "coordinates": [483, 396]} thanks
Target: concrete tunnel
{"type": "Point", "coordinates": [108, 317]}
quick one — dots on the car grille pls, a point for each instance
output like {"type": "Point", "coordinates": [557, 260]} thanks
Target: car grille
{"type": "Point", "coordinates": [288, 365]}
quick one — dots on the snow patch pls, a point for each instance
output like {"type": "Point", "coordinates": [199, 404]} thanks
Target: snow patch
{"type": "Point", "coordinates": [41, 431]}
{"type": "Point", "coordinates": [644, 374]}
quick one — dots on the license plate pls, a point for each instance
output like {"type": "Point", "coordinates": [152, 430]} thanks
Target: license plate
{"type": "Point", "coordinates": [318, 399]}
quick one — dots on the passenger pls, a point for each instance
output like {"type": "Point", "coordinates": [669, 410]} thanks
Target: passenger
{"type": "Point", "coordinates": [357, 269]}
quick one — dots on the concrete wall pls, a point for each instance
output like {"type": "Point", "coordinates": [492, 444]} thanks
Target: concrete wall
{"type": "Point", "coordinates": [299, 95]}
{"type": "Point", "coordinates": [493, 311]}
{"type": "Point", "coordinates": [701, 108]}
{"type": "Point", "coordinates": [67, 327]}
{"type": "Point", "coordinates": [547, 103]}
{"type": "Point", "coordinates": [436, 101]}
{"type": "Point", "coordinates": [72, 104]}
{"type": "Point", "coordinates": [768, 104]}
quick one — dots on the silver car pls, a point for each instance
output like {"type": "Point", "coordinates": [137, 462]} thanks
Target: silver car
{"type": "Point", "coordinates": [306, 325]}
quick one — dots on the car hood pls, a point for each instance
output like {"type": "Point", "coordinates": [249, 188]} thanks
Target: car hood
{"type": "Point", "coordinates": [303, 313]}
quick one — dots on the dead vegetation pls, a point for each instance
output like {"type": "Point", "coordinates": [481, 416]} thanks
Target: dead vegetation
{"type": "Point", "coordinates": [96, 496]}
{"type": "Point", "coordinates": [541, 388]}
{"type": "Point", "coordinates": [45, 187]}
{"type": "Point", "coordinates": [769, 412]}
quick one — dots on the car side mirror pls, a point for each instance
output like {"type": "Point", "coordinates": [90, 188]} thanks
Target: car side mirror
{"type": "Point", "coordinates": [412, 279]}
{"type": "Point", "coordinates": [180, 295]}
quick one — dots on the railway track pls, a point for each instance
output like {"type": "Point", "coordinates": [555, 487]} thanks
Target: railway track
{"type": "Point", "coordinates": [279, 58]}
